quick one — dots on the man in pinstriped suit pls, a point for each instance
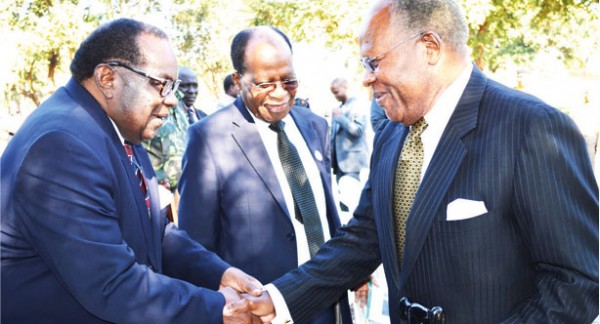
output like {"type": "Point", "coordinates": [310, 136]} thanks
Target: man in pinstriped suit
{"type": "Point", "coordinates": [504, 225]}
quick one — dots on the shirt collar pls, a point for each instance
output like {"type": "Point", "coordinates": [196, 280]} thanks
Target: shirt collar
{"type": "Point", "coordinates": [263, 124]}
{"type": "Point", "coordinates": [121, 139]}
{"type": "Point", "coordinates": [442, 110]}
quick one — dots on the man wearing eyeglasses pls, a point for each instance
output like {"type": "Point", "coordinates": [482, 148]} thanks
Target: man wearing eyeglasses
{"type": "Point", "coordinates": [481, 201]}
{"type": "Point", "coordinates": [239, 192]}
{"type": "Point", "coordinates": [82, 237]}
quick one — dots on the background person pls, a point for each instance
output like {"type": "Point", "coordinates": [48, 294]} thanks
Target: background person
{"type": "Point", "coordinates": [377, 116]}
{"type": "Point", "coordinates": [349, 147]}
{"type": "Point", "coordinates": [230, 92]}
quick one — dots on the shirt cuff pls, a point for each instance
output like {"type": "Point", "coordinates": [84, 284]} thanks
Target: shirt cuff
{"type": "Point", "coordinates": [282, 313]}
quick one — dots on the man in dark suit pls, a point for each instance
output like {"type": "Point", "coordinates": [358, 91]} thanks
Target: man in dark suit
{"type": "Point", "coordinates": [349, 147]}
{"type": "Point", "coordinates": [504, 224]}
{"type": "Point", "coordinates": [236, 197]}
{"type": "Point", "coordinates": [83, 239]}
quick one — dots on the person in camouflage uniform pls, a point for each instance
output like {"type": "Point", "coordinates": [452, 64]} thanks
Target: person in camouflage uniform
{"type": "Point", "coordinates": [167, 146]}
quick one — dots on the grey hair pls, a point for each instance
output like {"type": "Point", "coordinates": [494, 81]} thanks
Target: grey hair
{"type": "Point", "coordinates": [444, 17]}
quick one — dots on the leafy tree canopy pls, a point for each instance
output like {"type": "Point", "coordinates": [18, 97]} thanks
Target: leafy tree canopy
{"type": "Point", "coordinates": [46, 33]}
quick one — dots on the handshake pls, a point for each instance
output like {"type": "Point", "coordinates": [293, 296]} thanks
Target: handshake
{"type": "Point", "coordinates": [245, 299]}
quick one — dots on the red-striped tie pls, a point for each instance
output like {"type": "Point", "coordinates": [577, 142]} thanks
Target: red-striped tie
{"type": "Point", "coordinates": [138, 174]}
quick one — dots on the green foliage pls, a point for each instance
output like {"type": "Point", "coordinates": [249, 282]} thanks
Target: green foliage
{"type": "Point", "coordinates": [49, 34]}
{"type": "Point", "coordinates": [503, 31]}
{"type": "Point", "coordinates": [308, 21]}
{"type": "Point", "coordinates": [46, 33]}
{"type": "Point", "coordinates": [197, 38]}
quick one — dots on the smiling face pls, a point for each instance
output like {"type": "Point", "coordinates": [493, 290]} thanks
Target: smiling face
{"type": "Point", "coordinates": [268, 58]}
{"type": "Point", "coordinates": [402, 82]}
{"type": "Point", "coordinates": [137, 107]}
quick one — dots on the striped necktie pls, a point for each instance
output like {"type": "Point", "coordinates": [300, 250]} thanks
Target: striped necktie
{"type": "Point", "coordinates": [138, 174]}
{"type": "Point", "coordinates": [304, 201]}
{"type": "Point", "coordinates": [407, 180]}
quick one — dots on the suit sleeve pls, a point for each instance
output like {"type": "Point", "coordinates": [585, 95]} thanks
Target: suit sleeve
{"type": "Point", "coordinates": [185, 259]}
{"type": "Point", "coordinates": [556, 203]}
{"type": "Point", "coordinates": [66, 195]}
{"type": "Point", "coordinates": [199, 204]}
{"type": "Point", "coordinates": [354, 121]}
{"type": "Point", "coordinates": [341, 263]}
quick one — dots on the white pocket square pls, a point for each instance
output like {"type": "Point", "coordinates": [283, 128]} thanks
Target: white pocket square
{"type": "Point", "coordinates": [461, 209]}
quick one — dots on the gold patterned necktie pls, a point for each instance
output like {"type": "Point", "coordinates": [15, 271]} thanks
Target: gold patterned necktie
{"type": "Point", "coordinates": [407, 180]}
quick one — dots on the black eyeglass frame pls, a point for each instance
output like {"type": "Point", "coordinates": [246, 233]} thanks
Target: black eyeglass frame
{"type": "Point", "coordinates": [369, 63]}
{"type": "Point", "coordinates": [167, 86]}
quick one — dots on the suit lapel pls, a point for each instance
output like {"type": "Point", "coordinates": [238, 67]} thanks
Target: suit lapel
{"type": "Point", "coordinates": [446, 161]}
{"type": "Point", "coordinates": [383, 171]}
{"type": "Point", "coordinates": [246, 135]}
{"type": "Point", "coordinates": [313, 138]}
{"type": "Point", "coordinates": [154, 219]}
{"type": "Point", "coordinates": [149, 224]}
{"type": "Point", "coordinates": [151, 233]}
{"type": "Point", "coordinates": [310, 134]}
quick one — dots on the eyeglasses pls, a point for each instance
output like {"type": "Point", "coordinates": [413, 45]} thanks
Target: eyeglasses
{"type": "Point", "coordinates": [165, 86]}
{"type": "Point", "coordinates": [287, 85]}
{"type": "Point", "coordinates": [369, 63]}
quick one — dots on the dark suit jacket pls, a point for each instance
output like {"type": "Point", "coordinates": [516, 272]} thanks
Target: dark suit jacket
{"type": "Point", "coordinates": [533, 257]}
{"type": "Point", "coordinates": [231, 201]}
{"type": "Point", "coordinates": [199, 113]}
{"type": "Point", "coordinates": [78, 245]}
{"type": "Point", "coordinates": [349, 145]}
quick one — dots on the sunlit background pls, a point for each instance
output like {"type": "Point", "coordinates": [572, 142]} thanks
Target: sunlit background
{"type": "Point", "coordinates": [547, 48]}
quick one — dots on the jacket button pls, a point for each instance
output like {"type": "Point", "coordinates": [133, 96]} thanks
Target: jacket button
{"type": "Point", "coordinates": [291, 236]}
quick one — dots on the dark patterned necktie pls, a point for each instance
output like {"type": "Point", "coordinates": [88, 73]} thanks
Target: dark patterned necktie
{"type": "Point", "coordinates": [407, 180]}
{"type": "Point", "coordinates": [192, 117]}
{"type": "Point", "coordinates": [304, 201]}
{"type": "Point", "coordinates": [138, 174]}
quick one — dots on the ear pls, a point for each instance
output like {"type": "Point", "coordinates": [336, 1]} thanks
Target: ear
{"type": "Point", "coordinates": [237, 81]}
{"type": "Point", "coordinates": [105, 78]}
{"type": "Point", "coordinates": [433, 44]}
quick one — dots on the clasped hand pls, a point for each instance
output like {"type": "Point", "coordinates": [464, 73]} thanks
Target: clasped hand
{"type": "Point", "coordinates": [245, 300]}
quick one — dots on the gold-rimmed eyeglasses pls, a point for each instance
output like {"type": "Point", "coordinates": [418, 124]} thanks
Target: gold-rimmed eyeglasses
{"type": "Point", "coordinates": [370, 63]}
{"type": "Point", "coordinates": [287, 85]}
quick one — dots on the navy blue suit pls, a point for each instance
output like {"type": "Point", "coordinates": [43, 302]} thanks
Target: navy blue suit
{"type": "Point", "coordinates": [231, 201]}
{"type": "Point", "coordinates": [533, 257]}
{"type": "Point", "coordinates": [78, 244]}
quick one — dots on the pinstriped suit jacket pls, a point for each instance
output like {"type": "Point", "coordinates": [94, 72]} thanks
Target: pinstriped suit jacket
{"type": "Point", "coordinates": [533, 257]}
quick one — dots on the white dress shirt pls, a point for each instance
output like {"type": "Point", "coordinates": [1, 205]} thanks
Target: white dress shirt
{"type": "Point", "coordinates": [438, 117]}
{"type": "Point", "coordinates": [269, 139]}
